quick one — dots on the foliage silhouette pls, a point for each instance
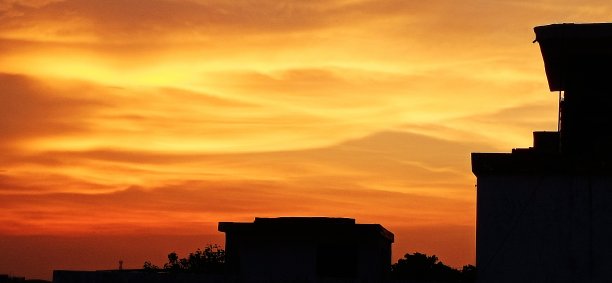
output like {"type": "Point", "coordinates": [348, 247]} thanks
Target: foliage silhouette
{"type": "Point", "coordinates": [423, 268]}
{"type": "Point", "coordinates": [209, 260]}
{"type": "Point", "coordinates": [468, 273]}
{"type": "Point", "coordinates": [415, 267]}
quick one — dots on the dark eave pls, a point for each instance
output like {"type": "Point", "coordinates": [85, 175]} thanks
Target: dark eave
{"type": "Point", "coordinates": [527, 162]}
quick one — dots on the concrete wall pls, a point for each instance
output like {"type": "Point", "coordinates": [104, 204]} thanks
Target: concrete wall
{"type": "Point", "coordinates": [544, 228]}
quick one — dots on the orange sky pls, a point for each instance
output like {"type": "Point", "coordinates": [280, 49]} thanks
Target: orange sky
{"type": "Point", "coordinates": [129, 128]}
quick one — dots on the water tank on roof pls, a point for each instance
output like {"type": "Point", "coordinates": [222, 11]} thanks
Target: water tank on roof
{"type": "Point", "coordinates": [578, 61]}
{"type": "Point", "coordinates": [576, 55]}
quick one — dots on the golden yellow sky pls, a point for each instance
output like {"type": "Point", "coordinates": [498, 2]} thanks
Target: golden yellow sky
{"type": "Point", "coordinates": [123, 120]}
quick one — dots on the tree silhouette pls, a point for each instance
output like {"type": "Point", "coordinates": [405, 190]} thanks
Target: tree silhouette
{"type": "Point", "coordinates": [422, 268]}
{"type": "Point", "coordinates": [415, 267]}
{"type": "Point", "coordinates": [149, 266]}
{"type": "Point", "coordinates": [209, 260]}
{"type": "Point", "coordinates": [468, 273]}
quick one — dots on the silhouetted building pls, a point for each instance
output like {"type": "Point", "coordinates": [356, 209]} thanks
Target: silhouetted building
{"type": "Point", "coordinates": [286, 249]}
{"type": "Point", "coordinates": [544, 213]}
{"type": "Point", "coordinates": [134, 276]}
{"type": "Point", "coordinates": [5, 278]}
{"type": "Point", "coordinates": [303, 249]}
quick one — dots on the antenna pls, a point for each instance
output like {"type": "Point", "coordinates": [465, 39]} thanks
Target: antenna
{"type": "Point", "coordinates": [560, 110]}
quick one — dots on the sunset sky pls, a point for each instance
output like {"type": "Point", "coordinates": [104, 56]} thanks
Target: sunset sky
{"type": "Point", "coordinates": [129, 128]}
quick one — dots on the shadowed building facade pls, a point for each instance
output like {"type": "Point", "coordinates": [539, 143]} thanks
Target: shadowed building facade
{"type": "Point", "coordinates": [307, 249]}
{"type": "Point", "coordinates": [544, 214]}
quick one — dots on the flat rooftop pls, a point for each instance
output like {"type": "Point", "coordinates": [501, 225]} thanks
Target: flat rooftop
{"type": "Point", "coordinates": [304, 225]}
